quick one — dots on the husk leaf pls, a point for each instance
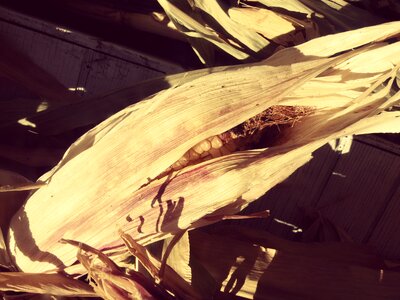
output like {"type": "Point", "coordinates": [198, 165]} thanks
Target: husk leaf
{"type": "Point", "coordinates": [179, 257]}
{"type": "Point", "coordinates": [90, 111]}
{"type": "Point", "coordinates": [110, 282]}
{"type": "Point", "coordinates": [266, 22]}
{"type": "Point", "coordinates": [162, 272]}
{"type": "Point", "coordinates": [343, 15]}
{"type": "Point", "coordinates": [53, 284]}
{"type": "Point", "coordinates": [102, 183]}
{"type": "Point", "coordinates": [257, 265]}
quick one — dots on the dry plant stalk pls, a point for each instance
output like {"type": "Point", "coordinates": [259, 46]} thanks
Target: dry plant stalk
{"type": "Point", "coordinates": [102, 183]}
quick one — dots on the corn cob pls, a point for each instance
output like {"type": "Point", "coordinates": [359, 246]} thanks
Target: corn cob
{"type": "Point", "coordinates": [249, 134]}
{"type": "Point", "coordinates": [95, 189]}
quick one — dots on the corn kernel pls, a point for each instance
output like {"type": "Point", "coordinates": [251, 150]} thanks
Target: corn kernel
{"type": "Point", "coordinates": [215, 152]}
{"type": "Point", "coordinates": [216, 142]}
{"type": "Point", "coordinates": [205, 145]}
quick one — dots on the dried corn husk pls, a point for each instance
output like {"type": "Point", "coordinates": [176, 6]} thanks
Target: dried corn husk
{"type": "Point", "coordinates": [170, 278]}
{"type": "Point", "coordinates": [52, 284]}
{"type": "Point", "coordinates": [235, 29]}
{"type": "Point", "coordinates": [294, 6]}
{"type": "Point", "coordinates": [94, 110]}
{"type": "Point", "coordinates": [109, 281]}
{"type": "Point", "coordinates": [10, 202]}
{"type": "Point", "coordinates": [266, 22]}
{"type": "Point", "coordinates": [102, 183]}
{"type": "Point", "coordinates": [200, 34]}
{"type": "Point", "coordinates": [152, 22]}
{"type": "Point", "coordinates": [257, 265]}
{"type": "Point", "coordinates": [343, 15]}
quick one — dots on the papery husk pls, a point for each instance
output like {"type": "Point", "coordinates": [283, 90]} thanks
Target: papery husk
{"type": "Point", "coordinates": [10, 202]}
{"type": "Point", "coordinates": [97, 109]}
{"type": "Point", "coordinates": [268, 23]}
{"type": "Point", "coordinates": [254, 264]}
{"type": "Point", "coordinates": [343, 15]}
{"type": "Point", "coordinates": [94, 110]}
{"type": "Point", "coordinates": [102, 183]}
{"type": "Point", "coordinates": [190, 23]}
{"type": "Point", "coordinates": [293, 6]}
{"type": "Point", "coordinates": [161, 271]}
{"type": "Point", "coordinates": [179, 252]}
{"type": "Point", "coordinates": [109, 281]}
{"type": "Point", "coordinates": [5, 261]}
{"type": "Point", "coordinates": [51, 284]}
{"type": "Point", "coordinates": [135, 17]}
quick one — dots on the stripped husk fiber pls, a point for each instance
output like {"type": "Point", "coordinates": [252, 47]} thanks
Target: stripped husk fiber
{"type": "Point", "coordinates": [105, 182]}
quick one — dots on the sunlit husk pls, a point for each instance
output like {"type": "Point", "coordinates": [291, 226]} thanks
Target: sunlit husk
{"type": "Point", "coordinates": [53, 284]}
{"type": "Point", "coordinates": [257, 265]}
{"type": "Point", "coordinates": [97, 188]}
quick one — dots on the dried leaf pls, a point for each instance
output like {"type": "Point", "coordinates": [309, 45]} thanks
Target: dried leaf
{"type": "Point", "coordinates": [5, 261]}
{"type": "Point", "coordinates": [195, 29]}
{"type": "Point", "coordinates": [342, 15]}
{"type": "Point", "coordinates": [332, 44]}
{"type": "Point", "coordinates": [110, 282]}
{"type": "Point", "coordinates": [53, 284]}
{"type": "Point", "coordinates": [11, 201]}
{"type": "Point", "coordinates": [266, 267]}
{"type": "Point", "coordinates": [179, 256]}
{"type": "Point", "coordinates": [94, 110]}
{"type": "Point", "coordinates": [161, 272]}
{"type": "Point", "coordinates": [154, 22]}
{"type": "Point", "coordinates": [266, 22]}
{"type": "Point", "coordinates": [234, 266]}
{"type": "Point", "coordinates": [246, 38]}
{"type": "Point", "coordinates": [105, 175]}
{"type": "Point", "coordinates": [21, 187]}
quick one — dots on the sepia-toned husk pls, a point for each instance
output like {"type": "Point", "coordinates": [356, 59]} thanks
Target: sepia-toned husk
{"type": "Point", "coordinates": [106, 180]}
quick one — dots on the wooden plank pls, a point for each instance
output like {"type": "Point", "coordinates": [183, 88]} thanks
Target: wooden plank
{"type": "Point", "coordinates": [289, 201]}
{"type": "Point", "coordinates": [385, 236]}
{"type": "Point", "coordinates": [76, 60]}
{"type": "Point", "coordinates": [380, 143]}
{"type": "Point", "coordinates": [87, 41]}
{"type": "Point", "coordinates": [357, 192]}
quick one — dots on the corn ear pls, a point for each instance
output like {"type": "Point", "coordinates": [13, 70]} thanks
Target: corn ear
{"type": "Point", "coordinates": [109, 179]}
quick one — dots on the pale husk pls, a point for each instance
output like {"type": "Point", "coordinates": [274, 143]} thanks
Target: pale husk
{"type": "Point", "coordinates": [102, 183]}
{"type": "Point", "coordinates": [257, 265]}
{"type": "Point", "coordinates": [266, 22]}
{"type": "Point", "coordinates": [51, 284]}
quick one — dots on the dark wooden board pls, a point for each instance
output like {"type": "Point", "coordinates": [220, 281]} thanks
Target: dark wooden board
{"type": "Point", "coordinates": [357, 191]}
{"type": "Point", "coordinates": [352, 182]}
{"type": "Point", "coordinates": [385, 236]}
{"type": "Point", "coordinates": [75, 59]}
{"type": "Point", "coordinates": [290, 201]}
